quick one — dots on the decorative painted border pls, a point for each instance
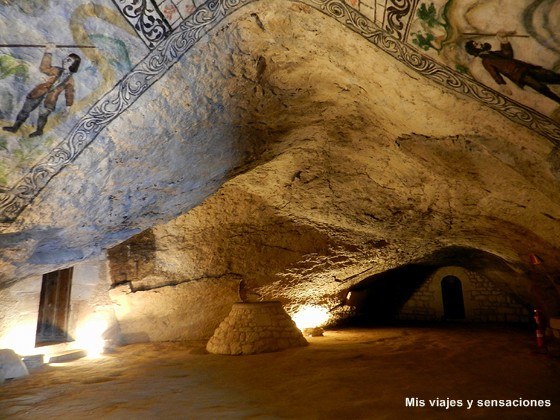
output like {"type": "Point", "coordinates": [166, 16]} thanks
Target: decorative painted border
{"type": "Point", "coordinates": [146, 19]}
{"type": "Point", "coordinates": [115, 102]}
{"type": "Point", "coordinates": [437, 72]}
{"type": "Point", "coordinates": [188, 33]}
{"type": "Point", "coordinates": [149, 22]}
{"type": "Point", "coordinates": [398, 17]}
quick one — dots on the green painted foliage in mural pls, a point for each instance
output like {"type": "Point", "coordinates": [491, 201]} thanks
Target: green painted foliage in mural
{"type": "Point", "coordinates": [433, 21]}
{"type": "Point", "coordinates": [3, 169]}
{"type": "Point", "coordinates": [28, 149]}
{"type": "Point", "coordinates": [424, 42]}
{"type": "Point", "coordinates": [3, 180]}
{"type": "Point", "coordinates": [12, 66]}
{"type": "Point", "coordinates": [429, 15]}
{"type": "Point", "coordinates": [462, 68]}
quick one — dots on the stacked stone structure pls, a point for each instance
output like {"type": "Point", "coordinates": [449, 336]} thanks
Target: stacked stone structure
{"type": "Point", "coordinates": [255, 327]}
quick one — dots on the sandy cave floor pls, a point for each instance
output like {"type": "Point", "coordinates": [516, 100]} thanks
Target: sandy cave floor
{"type": "Point", "coordinates": [347, 374]}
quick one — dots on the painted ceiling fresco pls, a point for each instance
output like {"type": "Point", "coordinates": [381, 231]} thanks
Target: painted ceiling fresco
{"type": "Point", "coordinates": [95, 32]}
{"type": "Point", "coordinates": [50, 113]}
{"type": "Point", "coordinates": [441, 28]}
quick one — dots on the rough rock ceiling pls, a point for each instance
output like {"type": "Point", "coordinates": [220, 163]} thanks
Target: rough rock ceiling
{"type": "Point", "coordinates": [342, 118]}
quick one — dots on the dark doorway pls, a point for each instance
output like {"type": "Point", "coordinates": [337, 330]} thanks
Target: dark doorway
{"type": "Point", "coordinates": [382, 295]}
{"type": "Point", "coordinates": [54, 308]}
{"type": "Point", "coordinates": [452, 293]}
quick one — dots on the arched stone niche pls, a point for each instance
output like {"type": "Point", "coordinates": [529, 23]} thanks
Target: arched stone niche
{"type": "Point", "coordinates": [482, 300]}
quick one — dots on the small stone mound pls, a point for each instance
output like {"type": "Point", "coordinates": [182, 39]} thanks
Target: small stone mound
{"type": "Point", "coordinates": [255, 327]}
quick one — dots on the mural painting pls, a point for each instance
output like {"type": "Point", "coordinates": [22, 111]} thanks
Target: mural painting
{"type": "Point", "coordinates": [121, 33]}
{"type": "Point", "coordinates": [45, 95]}
{"type": "Point", "coordinates": [501, 63]}
{"type": "Point", "coordinates": [46, 84]}
{"type": "Point", "coordinates": [517, 55]}
{"type": "Point", "coordinates": [430, 37]}
{"type": "Point", "coordinates": [392, 16]}
{"type": "Point", "coordinates": [153, 20]}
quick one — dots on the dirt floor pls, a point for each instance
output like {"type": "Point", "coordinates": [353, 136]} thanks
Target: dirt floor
{"type": "Point", "coordinates": [347, 374]}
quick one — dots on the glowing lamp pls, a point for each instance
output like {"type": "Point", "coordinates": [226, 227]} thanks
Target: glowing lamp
{"type": "Point", "coordinates": [89, 336]}
{"type": "Point", "coordinates": [310, 316]}
{"type": "Point", "coordinates": [20, 338]}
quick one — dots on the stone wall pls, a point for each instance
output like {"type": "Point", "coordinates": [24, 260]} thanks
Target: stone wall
{"type": "Point", "coordinates": [483, 301]}
{"type": "Point", "coordinates": [423, 305]}
{"type": "Point", "coordinates": [186, 311]}
{"type": "Point", "coordinates": [491, 304]}
{"type": "Point", "coordinates": [90, 308]}
{"type": "Point", "coordinates": [133, 259]}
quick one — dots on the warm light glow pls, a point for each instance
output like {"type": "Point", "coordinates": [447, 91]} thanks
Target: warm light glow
{"type": "Point", "coordinates": [310, 317]}
{"type": "Point", "coordinates": [20, 338]}
{"type": "Point", "coordinates": [89, 335]}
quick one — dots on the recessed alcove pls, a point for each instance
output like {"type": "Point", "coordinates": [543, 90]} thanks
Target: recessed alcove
{"type": "Point", "coordinates": [473, 291]}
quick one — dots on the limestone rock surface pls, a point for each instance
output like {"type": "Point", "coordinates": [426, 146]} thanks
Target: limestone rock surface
{"type": "Point", "coordinates": [171, 313]}
{"type": "Point", "coordinates": [301, 159]}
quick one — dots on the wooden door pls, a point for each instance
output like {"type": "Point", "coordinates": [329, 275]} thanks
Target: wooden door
{"type": "Point", "coordinates": [54, 308]}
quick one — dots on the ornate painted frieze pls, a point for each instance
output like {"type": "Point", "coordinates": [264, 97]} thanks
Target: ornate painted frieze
{"type": "Point", "coordinates": [398, 17]}
{"type": "Point", "coordinates": [437, 72]}
{"type": "Point", "coordinates": [146, 19]}
{"type": "Point", "coordinates": [153, 20]}
{"type": "Point", "coordinates": [190, 30]}
{"type": "Point", "coordinates": [116, 101]}
{"type": "Point", "coordinates": [393, 16]}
